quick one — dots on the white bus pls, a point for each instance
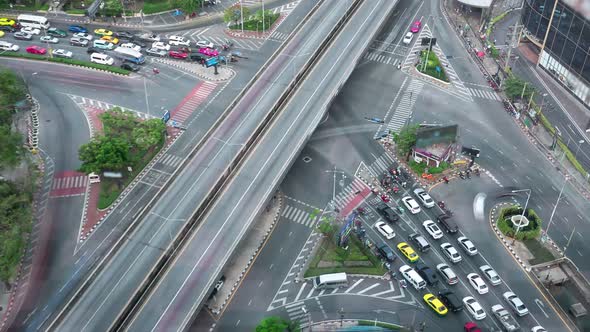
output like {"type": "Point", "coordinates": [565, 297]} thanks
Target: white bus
{"type": "Point", "coordinates": [33, 21]}
{"type": "Point", "coordinates": [332, 280]}
{"type": "Point", "coordinates": [128, 54]}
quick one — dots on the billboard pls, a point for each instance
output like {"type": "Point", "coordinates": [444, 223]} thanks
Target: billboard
{"type": "Point", "coordinates": [429, 136]}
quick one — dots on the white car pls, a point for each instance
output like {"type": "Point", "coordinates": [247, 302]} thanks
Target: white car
{"type": "Point", "coordinates": [467, 245]}
{"type": "Point", "coordinates": [491, 275]}
{"type": "Point", "coordinates": [516, 303]}
{"type": "Point", "coordinates": [432, 229]}
{"type": "Point", "coordinates": [83, 35]}
{"type": "Point", "coordinates": [408, 38]}
{"type": "Point", "coordinates": [424, 197]}
{"type": "Point", "coordinates": [411, 204]}
{"type": "Point", "coordinates": [161, 46]}
{"type": "Point", "coordinates": [385, 230]}
{"type": "Point", "coordinates": [178, 41]}
{"type": "Point", "coordinates": [204, 43]}
{"type": "Point", "coordinates": [31, 31]}
{"type": "Point", "coordinates": [474, 308]}
{"type": "Point", "coordinates": [477, 282]}
{"type": "Point", "coordinates": [538, 328]}
{"type": "Point", "coordinates": [451, 252]}
{"type": "Point", "coordinates": [49, 40]}
{"type": "Point", "coordinates": [149, 36]}
{"type": "Point", "coordinates": [61, 53]}
{"type": "Point", "coordinates": [131, 46]}
{"type": "Point", "coordinates": [447, 273]}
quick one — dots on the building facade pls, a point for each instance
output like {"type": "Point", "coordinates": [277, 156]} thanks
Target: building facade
{"type": "Point", "coordinates": [562, 37]}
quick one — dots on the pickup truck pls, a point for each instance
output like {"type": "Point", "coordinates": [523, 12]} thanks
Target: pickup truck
{"type": "Point", "coordinates": [508, 322]}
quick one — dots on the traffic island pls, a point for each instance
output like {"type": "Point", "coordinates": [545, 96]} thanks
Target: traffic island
{"type": "Point", "coordinates": [356, 259]}
{"type": "Point", "coordinates": [430, 65]}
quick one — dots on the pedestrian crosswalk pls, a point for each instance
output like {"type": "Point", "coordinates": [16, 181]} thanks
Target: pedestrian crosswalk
{"type": "Point", "coordinates": [195, 35]}
{"type": "Point", "coordinates": [97, 104]}
{"type": "Point", "coordinates": [351, 196]}
{"type": "Point", "coordinates": [192, 101]}
{"type": "Point", "coordinates": [278, 36]}
{"type": "Point", "coordinates": [382, 164]}
{"type": "Point", "coordinates": [404, 109]}
{"type": "Point", "coordinates": [170, 160]}
{"type": "Point", "coordinates": [68, 183]}
{"type": "Point", "coordinates": [296, 311]}
{"type": "Point", "coordinates": [300, 215]}
{"type": "Point", "coordinates": [485, 94]}
{"type": "Point", "coordinates": [382, 58]}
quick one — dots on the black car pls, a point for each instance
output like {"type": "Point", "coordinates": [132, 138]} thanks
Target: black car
{"type": "Point", "coordinates": [427, 273]}
{"type": "Point", "coordinates": [386, 253]}
{"type": "Point", "coordinates": [197, 57]}
{"type": "Point", "coordinates": [388, 213]}
{"type": "Point", "coordinates": [7, 28]}
{"type": "Point", "coordinates": [139, 43]}
{"type": "Point", "coordinates": [124, 35]}
{"type": "Point", "coordinates": [93, 49]}
{"type": "Point", "coordinates": [79, 42]}
{"type": "Point", "coordinates": [450, 300]}
{"type": "Point", "coordinates": [447, 223]}
{"type": "Point", "coordinates": [130, 66]}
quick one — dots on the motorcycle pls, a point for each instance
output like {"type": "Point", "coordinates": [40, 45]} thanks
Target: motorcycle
{"type": "Point", "coordinates": [441, 205]}
{"type": "Point", "coordinates": [468, 174]}
{"type": "Point", "coordinates": [395, 190]}
{"type": "Point", "coordinates": [385, 198]}
{"type": "Point", "coordinates": [156, 71]}
{"type": "Point", "coordinates": [403, 283]}
{"type": "Point", "coordinates": [361, 211]}
{"type": "Point", "coordinates": [400, 210]}
{"type": "Point", "coordinates": [477, 172]}
{"type": "Point", "coordinates": [446, 179]}
{"type": "Point", "coordinates": [461, 175]}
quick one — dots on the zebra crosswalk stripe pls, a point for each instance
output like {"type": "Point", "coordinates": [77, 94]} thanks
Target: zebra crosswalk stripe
{"type": "Point", "coordinates": [285, 211]}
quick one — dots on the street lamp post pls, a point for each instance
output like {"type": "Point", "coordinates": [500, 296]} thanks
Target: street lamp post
{"type": "Point", "coordinates": [523, 210]}
{"type": "Point", "coordinates": [555, 206]}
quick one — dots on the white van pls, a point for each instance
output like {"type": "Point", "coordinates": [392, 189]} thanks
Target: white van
{"type": "Point", "coordinates": [332, 280]}
{"type": "Point", "coordinates": [6, 46]}
{"type": "Point", "coordinates": [412, 277]}
{"type": "Point", "coordinates": [102, 59]}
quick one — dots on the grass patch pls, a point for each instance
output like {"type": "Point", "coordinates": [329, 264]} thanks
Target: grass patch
{"type": "Point", "coordinates": [541, 253]}
{"type": "Point", "coordinates": [256, 25]}
{"type": "Point", "coordinates": [432, 62]}
{"type": "Point", "coordinates": [75, 11]}
{"type": "Point", "coordinates": [155, 6]}
{"type": "Point", "coordinates": [87, 64]}
{"type": "Point", "coordinates": [421, 168]}
{"type": "Point", "coordinates": [385, 325]}
{"type": "Point", "coordinates": [330, 252]}
{"type": "Point", "coordinates": [532, 231]}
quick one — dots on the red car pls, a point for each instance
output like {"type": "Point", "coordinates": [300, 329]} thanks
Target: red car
{"type": "Point", "coordinates": [416, 26]}
{"type": "Point", "coordinates": [178, 54]}
{"type": "Point", "coordinates": [471, 327]}
{"type": "Point", "coordinates": [208, 51]}
{"type": "Point", "coordinates": [34, 49]}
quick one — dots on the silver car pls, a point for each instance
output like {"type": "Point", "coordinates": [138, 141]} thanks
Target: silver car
{"type": "Point", "coordinates": [61, 53]}
{"type": "Point", "coordinates": [49, 40]}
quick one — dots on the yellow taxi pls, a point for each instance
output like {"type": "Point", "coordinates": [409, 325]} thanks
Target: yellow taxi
{"type": "Point", "coordinates": [1, 33]}
{"type": "Point", "coordinates": [436, 304]}
{"type": "Point", "coordinates": [410, 254]}
{"type": "Point", "coordinates": [103, 32]}
{"type": "Point", "coordinates": [110, 39]}
{"type": "Point", "coordinates": [7, 21]}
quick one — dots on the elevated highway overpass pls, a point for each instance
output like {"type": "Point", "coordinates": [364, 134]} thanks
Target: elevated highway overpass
{"type": "Point", "coordinates": [122, 288]}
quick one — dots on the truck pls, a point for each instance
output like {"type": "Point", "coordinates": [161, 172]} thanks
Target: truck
{"type": "Point", "coordinates": [508, 322]}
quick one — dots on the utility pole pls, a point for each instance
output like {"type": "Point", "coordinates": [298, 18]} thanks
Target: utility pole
{"type": "Point", "coordinates": [262, 16]}
{"type": "Point", "coordinates": [242, 15]}
{"type": "Point", "coordinates": [515, 39]}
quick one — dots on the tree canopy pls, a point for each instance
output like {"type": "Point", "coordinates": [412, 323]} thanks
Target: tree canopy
{"type": "Point", "coordinates": [277, 324]}
{"type": "Point", "coordinates": [514, 86]}
{"type": "Point", "coordinates": [406, 139]}
{"type": "Point", "coordinates": [234, 14]}
{"type": "Point", "coordinates": [15, 220]}
{"type": "Point", "coordinates": [124, 136]}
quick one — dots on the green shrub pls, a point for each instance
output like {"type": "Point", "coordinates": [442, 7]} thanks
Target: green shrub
{"type": "Point", "coordinates": [532, 231]}
{"type": "Point", "coordinates": [432, 62]}
{"type": "Point", "coordinates": [158, 6]}
{"type": "Point", "coordinates": [82, 63]}
{"type": "Point", "coordinates": [75, 11]}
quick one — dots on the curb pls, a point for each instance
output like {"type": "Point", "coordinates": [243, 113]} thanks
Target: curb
{"type": "Point", "coordinates": [179, 65]}
{"type": "Point", "coordinates": [252, 258]}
